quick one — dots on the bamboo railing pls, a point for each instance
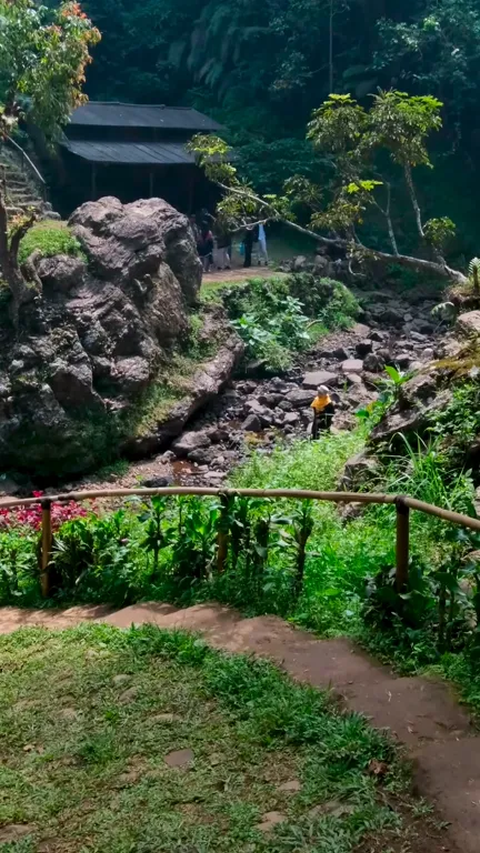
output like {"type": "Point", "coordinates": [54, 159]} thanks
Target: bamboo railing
{"type": "Point", "coordinates": [403, 505]}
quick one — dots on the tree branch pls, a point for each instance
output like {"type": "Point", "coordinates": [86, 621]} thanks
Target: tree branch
{"type": "Point", "coordinates": [410, 262]}
{"type": "Point", "coordinates": [3, 221]}
{"type": "Point", "coordinates": [17, 236]}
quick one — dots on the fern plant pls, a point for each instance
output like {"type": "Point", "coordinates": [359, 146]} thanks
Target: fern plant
{"type": "Point", "coordinates": [474, 273]}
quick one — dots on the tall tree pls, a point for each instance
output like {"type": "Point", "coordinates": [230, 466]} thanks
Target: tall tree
{"type": "Point", "coordinates": [43, 55]}
{"type": "Point", "coordinates": [396, 127]}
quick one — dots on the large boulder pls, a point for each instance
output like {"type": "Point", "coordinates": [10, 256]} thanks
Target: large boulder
{"type": "Point", "coordinates": [128, 241]}
{"type": "Point", "coordinates": [72, 383]}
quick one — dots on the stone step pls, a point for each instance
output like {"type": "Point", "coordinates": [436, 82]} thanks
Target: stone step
{"type": "Point", "coordinates": [13, 618]}
{"type": "Point", "coordinates": [23, 197]}
{"type": "Point", "coordinates": [213, 620]}
{"type": "Point", "coordinates": [16, 185]}
{"type": "Point", "coordinates": [140, 614]}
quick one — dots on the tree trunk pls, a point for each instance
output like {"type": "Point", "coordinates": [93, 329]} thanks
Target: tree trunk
{"type": "Point", "coordinates": [330, 50]}
{"type": "Point", "coordinates": [9, 267]}
{"type": "Point", "coordinates": [414, 200]}
{"type": "Point", "coordinates": [391, 234]}
{"type": "Point", "coordinates": [408, 261]}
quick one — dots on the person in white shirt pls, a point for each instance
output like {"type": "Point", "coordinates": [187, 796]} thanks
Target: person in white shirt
{"type": "Point", "coordinates": [262, 246]}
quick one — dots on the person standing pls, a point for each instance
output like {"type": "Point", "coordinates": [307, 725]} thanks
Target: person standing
{"type": "Point", "coordinates": [262, 245]}
{"type": "Point", "coordinates": [206, 248]}
{"type": "Point", "coordinates": [323, 411]}
{"type": "Point", "coordinates": [224, 246]}
{"type": "Point", "coordinates": [248, 246]}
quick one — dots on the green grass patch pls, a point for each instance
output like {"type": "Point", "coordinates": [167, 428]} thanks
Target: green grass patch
{"type": "Point", "coordinates": [51, 238]}
{"type": "Point", "coordinates": [155, 407]}
{"type": "Point", "coordinates": [89, 719]}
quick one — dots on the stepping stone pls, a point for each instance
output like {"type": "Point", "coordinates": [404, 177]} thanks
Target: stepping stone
{"type": "Point", "coordinates": [165, 718]}
{"type": "Point", "coordinates": [179, 758]}
{"type": "Point", "coordinates": [129, 695]}
{"type": "Point", "coordinates": [291, 787]}
{"type": "Point", "coordinates": [318, 377]}
{"type": "Point", "coordinates": [14, 832]}
{"type": "Point", "coordinates": [118, 680]}
{"type": "Point", "coordinates": [352, 365]}
{"type": "Point", "coordinates": [270, 820]}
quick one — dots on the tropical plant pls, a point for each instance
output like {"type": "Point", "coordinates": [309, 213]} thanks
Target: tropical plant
{"type": "Point", "coordinates": [302, 528]}
{"type": "Point", "coordinates": [389, 395]}
{"type": "Point", "coordinates": [397, 125]}
{"type": "Point", "coordinates": [474, 272]}
{"type": "Point", "coordinates": [155, 538]}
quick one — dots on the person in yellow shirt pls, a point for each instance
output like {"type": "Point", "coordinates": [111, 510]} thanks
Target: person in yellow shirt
{"type": "Point", "coordinates": [323, 411]}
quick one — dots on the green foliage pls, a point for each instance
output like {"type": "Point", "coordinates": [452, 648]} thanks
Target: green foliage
{"type": "Point", "coordinates": [19, 579]}
{"type": "Point", "coordinates": [43, 55]}
{"type": "Point", "coordinates": [474, 272]}
{"type": "Point", "coordinates": [401, 123]}
{"type": "Point", "coordinates": [50, 238]}
{"type": "Point", "coordinates": [242, 718]}
{"type": "Point", "coordinates": [363, 145]}
{"type": "Point", "coordinates": [338, 126]}
{"type": "Point", "coordinates": [298, 560]}
{"type": "Point", "coordinates": [389, 394]}
{"type": "Point", "coordinates": [434, 48]}
{"type": "Point", "coordinates": [263, 342]}
{"type": "Point", "coordinates": [440, 232]}
{"type": "Point", "coordinates": [457, 425]}
{"type": "Point", "coordinates": [261, 70]}
{"type": "Point", "coordinates": [273, 315]}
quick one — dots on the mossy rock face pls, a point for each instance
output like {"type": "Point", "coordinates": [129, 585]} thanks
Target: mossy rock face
{"type": "Point", "coordinates": [73, 380]}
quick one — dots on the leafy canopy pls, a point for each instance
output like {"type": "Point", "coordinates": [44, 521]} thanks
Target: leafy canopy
{"type": "Point", "coordinates": [396, 124]}
{"type": "Point", "coordinates": [43, 56]}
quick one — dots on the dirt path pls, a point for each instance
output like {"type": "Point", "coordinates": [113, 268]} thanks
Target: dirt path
{"type": "Point", "coordinates": [419, 713]}
{"type": "Point", "coordinates": [238, 274]}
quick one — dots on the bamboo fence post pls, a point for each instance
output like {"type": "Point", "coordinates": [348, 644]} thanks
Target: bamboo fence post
{"type": "Point", "coordinates": [403, 544]}
{"type": "Point", "coordinates": [223, 533]}
{"type": "Point", "coordinates": [46, 546]}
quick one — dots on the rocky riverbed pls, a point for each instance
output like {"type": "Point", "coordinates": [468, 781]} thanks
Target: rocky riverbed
{"type": "Point", "coordinates": [259, 412]}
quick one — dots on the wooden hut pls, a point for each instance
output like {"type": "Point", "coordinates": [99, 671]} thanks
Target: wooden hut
{"type": "Point", "coordinates": [134, 151]}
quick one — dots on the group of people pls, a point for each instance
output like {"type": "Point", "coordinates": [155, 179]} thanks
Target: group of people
{"type": "Point", "coordinates": [215, 242]}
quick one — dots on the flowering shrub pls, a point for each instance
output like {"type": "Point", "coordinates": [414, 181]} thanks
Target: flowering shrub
{"type": "Point", "coordinates": [31, 516]}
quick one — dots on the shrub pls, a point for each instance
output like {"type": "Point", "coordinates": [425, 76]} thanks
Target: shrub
{"type": "Point", "coordinates": [272, 315]}
{"type": "Point", "coordinates": [325, 300]}
{"type": "Point", "coordinates": [457, 425]}
{"type": "Point", "coordinates": [322, 299]}
{"type": "Point", "coordinates": [273, 337]}
{"type": "Point", "coordinates": [31, 516]}
{"type": "Point", "coordinates": [51, 238]}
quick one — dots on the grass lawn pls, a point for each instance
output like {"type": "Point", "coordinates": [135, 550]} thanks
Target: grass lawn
{"type": "Point", "coordinates": [147, 741]}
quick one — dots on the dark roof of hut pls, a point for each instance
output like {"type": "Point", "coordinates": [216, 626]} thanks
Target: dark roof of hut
{"type": "Point", "coordinates": [131, 153]}
{"type": "Point", "coordinates": [113, 114]}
